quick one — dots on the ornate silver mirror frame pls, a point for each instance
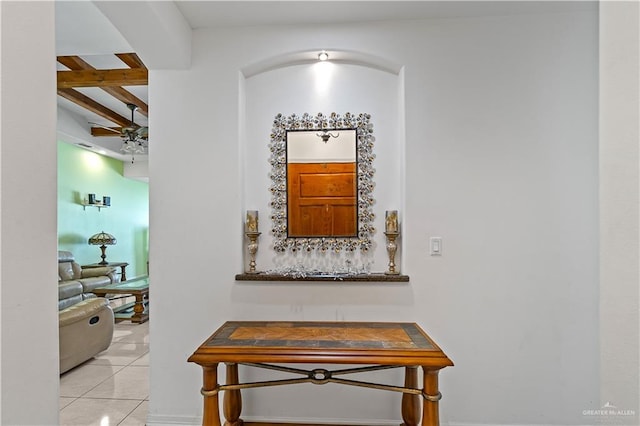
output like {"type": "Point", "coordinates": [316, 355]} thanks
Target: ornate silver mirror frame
{"type": "Point", "coordinates": [365, 171]}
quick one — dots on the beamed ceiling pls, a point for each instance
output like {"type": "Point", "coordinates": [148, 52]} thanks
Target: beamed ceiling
{"type": "Point", "coordinates": [95, 82]}
{"type": "Point", "coordinates": [78, 74]}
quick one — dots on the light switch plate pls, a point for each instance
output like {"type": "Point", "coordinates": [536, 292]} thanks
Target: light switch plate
{"type": "Point", "coordinates": [435, 246]}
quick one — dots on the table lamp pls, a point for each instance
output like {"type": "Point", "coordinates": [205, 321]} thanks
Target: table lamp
{"type": "Point", "coordinates": [103, 240]}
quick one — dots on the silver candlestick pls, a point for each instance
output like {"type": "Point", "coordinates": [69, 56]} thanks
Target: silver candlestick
{"type": "Point", "coordinates": [253, 249]}
{"type": "Point", "coordinates": [391, 250]}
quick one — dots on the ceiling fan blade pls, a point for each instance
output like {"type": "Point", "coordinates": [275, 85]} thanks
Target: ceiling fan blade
{"type": "Point", "coordinates": [140, 131]}
{"type": "Point", "coordinates": [105, 127]}
{"type": "Point", "coordinates": [143, 131]}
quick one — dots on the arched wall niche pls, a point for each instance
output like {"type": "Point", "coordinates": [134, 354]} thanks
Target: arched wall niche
{"type": "Point", "coordinates": [297, 83]}
{"type": "Point", "coordinates": [310, 56]}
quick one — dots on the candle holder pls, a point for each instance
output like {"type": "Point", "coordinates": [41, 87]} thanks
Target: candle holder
{"type": "Point", "coordinates": [251, 231]}
{"type": "Point", "coordinates": [392, 247]}
{"type": "Point", "coordinates": [391, 221]}
{"type": "Point", "coordinates": [251, 223]}
{"type": "Point", "coordinates": [253, 249]}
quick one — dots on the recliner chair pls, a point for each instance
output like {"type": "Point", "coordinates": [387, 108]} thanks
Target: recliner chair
{"type": "Point", "coordinates": [85, 330]}
{"type": "Point", "coordinates": [85, 322]}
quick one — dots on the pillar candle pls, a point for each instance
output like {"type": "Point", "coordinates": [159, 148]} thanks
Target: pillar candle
{"type": "Point", "coordinates": [252, 221]}
{"type": "Point", "coordinates": [391, 221]}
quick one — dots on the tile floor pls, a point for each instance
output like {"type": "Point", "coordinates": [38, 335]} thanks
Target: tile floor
{"type": "Point", "coordinates": [112, 388]}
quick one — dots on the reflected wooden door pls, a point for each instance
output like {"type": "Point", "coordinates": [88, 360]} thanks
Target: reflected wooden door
{"type": "Point", "coordinates": [322, 200]}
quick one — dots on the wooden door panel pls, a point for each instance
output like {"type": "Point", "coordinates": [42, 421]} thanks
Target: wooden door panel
{"type": "Point", "coordinates": [322, 220]}
{"type": "Point", "coordinates": [314, 221]}
{"type": "Point", "coordinates": [327, 185]}
{"type": "Point", "coordinates": [321, 200]}
{"type": "Point", "coordinates": [344, 220]}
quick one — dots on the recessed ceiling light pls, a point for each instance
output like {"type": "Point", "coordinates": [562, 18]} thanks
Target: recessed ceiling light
{"type": "Point", "coordinates": [323, 56]}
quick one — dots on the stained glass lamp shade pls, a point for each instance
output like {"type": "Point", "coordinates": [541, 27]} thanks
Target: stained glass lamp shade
{"type": "Point", "coordinates": [103, 240]}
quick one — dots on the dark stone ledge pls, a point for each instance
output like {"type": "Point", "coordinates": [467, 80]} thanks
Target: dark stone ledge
{"type": "Point", "coordinates": [374, 277]}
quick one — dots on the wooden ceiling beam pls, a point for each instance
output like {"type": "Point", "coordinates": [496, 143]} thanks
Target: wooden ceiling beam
{"type": "Point", "coordinates": [101, 131]}
{"type": "Point", "coordinates": [131, 59]}
{"type": "Point", "coordinates": [103, 78]}
{"type": "Point", "coordinates": [127, 97]}
{"type": "Point", "coordinates": [75, 63]}
{"type": "Point", "coordinates": [91, 105]}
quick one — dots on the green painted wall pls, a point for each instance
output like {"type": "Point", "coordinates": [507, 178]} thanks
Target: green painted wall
{"type": "Point", "coordinates": [81, 172]}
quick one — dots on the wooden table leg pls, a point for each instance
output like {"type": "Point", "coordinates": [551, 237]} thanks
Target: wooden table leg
{"type": "Point", "coordinates": [232, 403]}
{"type": "Point", "coordinates": [410, 402]}
{"type": "Point", "coordinates": [211, 415]}
{"type": "Point", "coordinates": [138, 309]}
{"type": "Point", "coordinates": [431, 396]}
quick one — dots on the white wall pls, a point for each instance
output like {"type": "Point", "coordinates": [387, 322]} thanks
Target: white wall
{"type": "Point", "coordinates": [619, 212]}
{"type": "Point", "coordinates": [28, 259]}
{"type": "Point", "coordinates": [501, 161]}
{"type": "Point", "coordinates": [322, 87]}
{"type": "Point", "coordinates": [303, 147]}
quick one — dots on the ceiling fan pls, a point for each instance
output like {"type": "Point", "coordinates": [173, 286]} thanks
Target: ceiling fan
{"type": "Point", "coordinates": [135, 138]}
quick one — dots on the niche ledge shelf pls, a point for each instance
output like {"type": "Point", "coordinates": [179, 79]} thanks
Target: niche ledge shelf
{"type": "Point", "coordinates": [373, 277]}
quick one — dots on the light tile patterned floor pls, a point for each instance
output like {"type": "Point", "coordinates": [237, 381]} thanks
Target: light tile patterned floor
{"type": "Point", "coordinates": [113, 388]}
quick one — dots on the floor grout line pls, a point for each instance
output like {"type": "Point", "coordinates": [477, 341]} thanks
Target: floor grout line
{"type": "Point", "coordinates": [131, 412]}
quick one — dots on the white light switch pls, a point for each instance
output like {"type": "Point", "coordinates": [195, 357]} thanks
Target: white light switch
{"type": "Point", "coordinates": [435, 244]}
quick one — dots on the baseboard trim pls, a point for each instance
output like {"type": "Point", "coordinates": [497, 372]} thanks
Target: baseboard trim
{"type": "Point", "coordinates": [153, 420]}
{"type": "Point", "coordinates": [256, 421]}
{"type": "Point", "coordinates": [512, 424]}
{"type": "Point", "coordinates": [300, 424]}
{"type": "Point", "coordinates": [282, 421]}
{"type": "Point", "coordinates": [252, 420]}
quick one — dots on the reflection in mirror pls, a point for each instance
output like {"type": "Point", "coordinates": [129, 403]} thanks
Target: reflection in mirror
{"type": "Point", "coordinates": [322, 182]}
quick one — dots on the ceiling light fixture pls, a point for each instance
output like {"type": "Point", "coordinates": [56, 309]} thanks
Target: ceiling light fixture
{"type": "Point", "coordinates": [134, 137]}
{"type": "Point", "coordinates": [325, 135]}
{"type": "Point", "coordinates": [323, 56]}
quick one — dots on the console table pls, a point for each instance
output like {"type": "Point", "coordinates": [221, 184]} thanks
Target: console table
{"type": "Point", "coordinates": [122, 265]}
{"type": "Point", "coordinates": [377, 345]}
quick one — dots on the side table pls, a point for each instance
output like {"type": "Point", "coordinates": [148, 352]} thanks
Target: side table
{"type": "Point", "coordinates": [375, 345]}
{"type": "Point", "coordinates": [122, 265]}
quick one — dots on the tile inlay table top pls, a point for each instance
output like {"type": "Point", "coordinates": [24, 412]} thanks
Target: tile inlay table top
{"type": "Point", "coordinates": [379, 345]}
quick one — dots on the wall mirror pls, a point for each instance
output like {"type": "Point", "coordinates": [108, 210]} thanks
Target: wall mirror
{"type": "Point", "coordinates": [322, 182]}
